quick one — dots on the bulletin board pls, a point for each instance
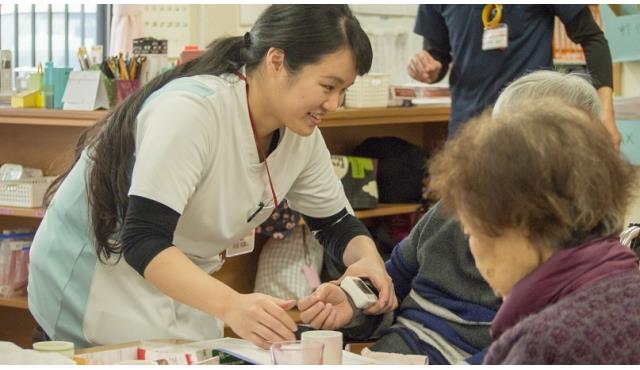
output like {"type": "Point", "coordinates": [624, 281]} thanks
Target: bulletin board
{"type": "Point", "coordinates": [168, 21]}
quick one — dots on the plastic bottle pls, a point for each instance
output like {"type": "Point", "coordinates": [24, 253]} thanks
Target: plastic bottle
{"type": "Point", "coordinates": [48, 85]}
{"type": "Point", "coordinates": [6, 72]}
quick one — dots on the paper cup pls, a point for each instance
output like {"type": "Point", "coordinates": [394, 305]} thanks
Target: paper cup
{"type": "Point", "coordinates": [332, 340]}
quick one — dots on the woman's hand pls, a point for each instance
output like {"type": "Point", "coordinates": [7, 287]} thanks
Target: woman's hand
{"type": "Point", "coordinates": [327, 308]}
{"type": "Point", "coordinates": [260, 319]}
{"type": "Point", "coordinates": [373, 268]}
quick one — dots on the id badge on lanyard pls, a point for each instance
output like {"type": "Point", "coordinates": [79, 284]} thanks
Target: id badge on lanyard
{"type": "Point", "coordinates": [247, 243]}
{"type": "Point", "coordinates": [496, 34]}
{"type": "Point", "coordinates": [242, 246]}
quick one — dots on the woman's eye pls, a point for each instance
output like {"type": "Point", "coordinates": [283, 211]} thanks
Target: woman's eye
{"type": "Point", "coordinates": [328, 87]}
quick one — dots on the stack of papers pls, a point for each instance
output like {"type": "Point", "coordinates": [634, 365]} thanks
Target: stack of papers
{"type": "Point", "coordinates": [253, 354]}
{"type": "Point", "coordinates": [420, 94]}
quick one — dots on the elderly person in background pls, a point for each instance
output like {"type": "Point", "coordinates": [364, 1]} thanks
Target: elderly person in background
{"type": "Point", "coordinates": [541, 194]}
{"type": "Point", "coordinates": [446, 307]}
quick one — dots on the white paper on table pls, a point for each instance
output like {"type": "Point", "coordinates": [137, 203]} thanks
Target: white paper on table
{"type": "Point", "coordinates": [11, 354]}
{"type": "Point", "coordinates": [444, 100]}
{"type": "Point", "coordinates": [251, 353]}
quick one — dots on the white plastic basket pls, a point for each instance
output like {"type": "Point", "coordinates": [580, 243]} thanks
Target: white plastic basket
{"type": "Point", "coordinates": [27, 193]}
{"type": "Point", "coordinates": [369, 91]}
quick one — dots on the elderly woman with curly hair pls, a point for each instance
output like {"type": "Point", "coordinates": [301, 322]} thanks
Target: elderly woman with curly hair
{"type": "Point", "coordinates": [541, 194]}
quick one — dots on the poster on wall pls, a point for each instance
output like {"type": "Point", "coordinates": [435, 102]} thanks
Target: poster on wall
{"type": "Point", "coordinates": [630, 146]}
{"type": "Point", "coordinates": [622, 29]}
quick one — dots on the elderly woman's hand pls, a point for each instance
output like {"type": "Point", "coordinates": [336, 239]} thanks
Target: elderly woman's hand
{"type": "Point", "coordinates": [327, 308]}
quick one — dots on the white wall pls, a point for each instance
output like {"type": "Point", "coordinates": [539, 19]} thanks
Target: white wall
{"type": "Point", "coordinates": [391, 31]}
{"type": "Point", "coordinates": [217, 21]}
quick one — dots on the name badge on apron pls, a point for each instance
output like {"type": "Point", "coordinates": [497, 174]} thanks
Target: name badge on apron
{"type": "Point", "coordinates": [243, 246]}
{"type": "Point", "coordinates": [496, 37]}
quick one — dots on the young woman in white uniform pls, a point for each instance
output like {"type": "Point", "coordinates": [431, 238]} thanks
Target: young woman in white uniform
{"type": "Point", "coordinates": [175, 178]}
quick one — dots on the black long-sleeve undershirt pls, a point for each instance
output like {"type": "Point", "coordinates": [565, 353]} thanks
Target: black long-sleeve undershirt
{"type": "Point", "coordinates": [149, 227]}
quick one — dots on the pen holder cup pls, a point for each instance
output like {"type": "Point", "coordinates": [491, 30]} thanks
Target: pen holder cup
{"type": "Point", "coordinates": [124, 88]}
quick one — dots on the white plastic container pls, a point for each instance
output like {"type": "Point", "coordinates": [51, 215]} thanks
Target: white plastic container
{"type": "Point", "coordinates": [6, 72]}
{"type": "Point", "coordinates": [64, 348]}
{"type": "Point", "coordinates": [28, 193]}
{"type": "Point", "coordinates": [369, 91]}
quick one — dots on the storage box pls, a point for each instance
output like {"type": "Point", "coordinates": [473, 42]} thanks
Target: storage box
{"type": "Point", "coordinates": [369, 91]}
{"type": "Point", "coordinates": [149, 45]}
{"type": "Point", "coordinates": [14, 262]}
{"type": "Point", "coordinates": [27, 193]}
{"type": "Point", "coordinates": [25, 99]}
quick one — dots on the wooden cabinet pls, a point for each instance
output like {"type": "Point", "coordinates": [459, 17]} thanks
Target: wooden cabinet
{"type": "Point", "coordinates": [46, 139]}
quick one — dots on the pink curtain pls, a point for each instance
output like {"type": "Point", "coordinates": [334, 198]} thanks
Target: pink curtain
{"type": "Point", "coordinates": [126, 25]}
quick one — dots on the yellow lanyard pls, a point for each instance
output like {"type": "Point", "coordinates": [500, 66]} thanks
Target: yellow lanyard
{"type": "Point", "coordinates": [486, 14]}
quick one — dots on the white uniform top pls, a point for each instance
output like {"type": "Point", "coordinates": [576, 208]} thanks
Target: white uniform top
{"type": "Point", "coordinates": [195, 153]}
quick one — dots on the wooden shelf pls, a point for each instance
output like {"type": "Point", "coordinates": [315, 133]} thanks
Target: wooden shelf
{"type": "Point", "coordinates": [382, 210]}
{"type": "Point", "coordinates": [340, 118]}
{"type": "Point", "coordinates": [21, 212]}
{"type": "Point", "coordinates": [49, 117]}
{"type": "Point", "coordinates": [387, 116]}
{"type": "Point", "coordinates": [16, 302]}
{"type": "Point", "coordinates": [388, 210]}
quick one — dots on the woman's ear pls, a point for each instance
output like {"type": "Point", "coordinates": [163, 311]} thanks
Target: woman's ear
{"type": "Point", "coordinates": [275, 61]}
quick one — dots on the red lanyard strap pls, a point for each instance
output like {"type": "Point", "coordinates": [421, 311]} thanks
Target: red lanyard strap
{"type": "Point", "coordinates": [261, 154]}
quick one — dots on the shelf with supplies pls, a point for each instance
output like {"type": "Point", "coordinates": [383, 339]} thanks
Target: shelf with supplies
{"type": "Point", "coordinates": [49, 117]}
{"type": "Point", "coordinates": [46, 139]}
{"type": "Point", "coordinates": [341, 118]}
{"type": "Point", "coordinates": [22, 212]}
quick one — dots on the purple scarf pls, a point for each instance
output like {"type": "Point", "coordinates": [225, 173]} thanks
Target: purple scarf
{"type": "Point", "coordinates": [566, 271]}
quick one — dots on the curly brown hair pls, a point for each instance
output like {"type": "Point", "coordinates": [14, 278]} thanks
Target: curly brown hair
{"type": "Point", "coordinates": [543, 167]}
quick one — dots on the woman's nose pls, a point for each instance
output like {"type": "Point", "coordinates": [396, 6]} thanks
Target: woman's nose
{"type": "Point", "coordinates": [334, 101]}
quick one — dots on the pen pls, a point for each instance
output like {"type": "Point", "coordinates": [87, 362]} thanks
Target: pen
{"type": "Point", "coordinates": [124, 75]}
{"type": "Point", "coordinates": [253, 215]}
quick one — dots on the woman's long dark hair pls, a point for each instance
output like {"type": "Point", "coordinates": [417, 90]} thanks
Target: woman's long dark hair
{"type": "Point", "coordinates": [304, 32]}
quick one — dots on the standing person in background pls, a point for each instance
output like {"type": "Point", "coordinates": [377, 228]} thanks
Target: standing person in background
{"type": "Point", "coordinates": [454, 34]}
{"type": "Point", "coordinates": [178, 176]}
{"type": "Point", "coordinates": [542, 194]}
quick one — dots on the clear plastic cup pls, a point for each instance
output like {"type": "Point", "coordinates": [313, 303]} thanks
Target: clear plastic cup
{"type": "Point", "coordinates": [296, 352]}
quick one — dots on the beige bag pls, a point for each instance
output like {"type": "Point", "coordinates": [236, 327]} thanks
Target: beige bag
{"type": "Point", "coordinates": [280, 266]}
